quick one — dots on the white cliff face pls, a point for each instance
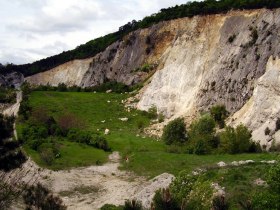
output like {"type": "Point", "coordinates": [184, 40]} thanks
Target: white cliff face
{"type": "Point", "coordinates": [263, 109]}
{"type": "Point", "coordinates": [174, 88]}
{"type": "Point", "coordinates": [70, 73]}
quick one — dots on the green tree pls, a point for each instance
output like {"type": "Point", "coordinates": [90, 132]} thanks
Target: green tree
{"type": "Point", "coordinates": [175, 132]}
{"type": "Point", "coordinates": [219, 113]}
{"type": "Point", "coordinates": [202, 135]}
{"type": "Point", "coordinates": [235, 140]}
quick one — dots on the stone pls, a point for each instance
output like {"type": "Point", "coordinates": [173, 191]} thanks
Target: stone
{"type": "Point", "coordinates": [107, 131]}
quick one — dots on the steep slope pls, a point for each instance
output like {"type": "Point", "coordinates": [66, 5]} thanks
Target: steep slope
{"type": "Point", "coordinates": [117, 63]}
{"type": "Point", "coordinates": [200, 61]}
{"type": "Point", "coordinates": [262, 110]}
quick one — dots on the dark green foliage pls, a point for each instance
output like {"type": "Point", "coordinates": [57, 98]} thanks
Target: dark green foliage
{"type": "Point", "coordinates": [39, 197]}
{"type": "Point", "coordinates": [7, 95]}
{"type": "Point", "coordinates": [164, 201]}
{"type": "Point", "coordinates": [115, 87]}
{"type": "Point", "coordinates": [182, 186]}
{"type": "Point", "coordinates": [269, 198]}
{"type": "Point", "coordinates": [132, 205]}
{"type": "Point", "coordinates": [10, 154]}
{"type": "Point", "coordinates": [175, 132]}
{"type": "Point", "coordinates": [219, 113]}
{"type": "Point", "coordinates": [42, 133]}
{"type": "Point", "coordinates": [95, 140]}
{"type": "Point", "coordinates": [220, 203]}
{"type": "Point", "coordinates": [236, 140]}
{"type": "Point", "coordinates": [6, 127]}
{"type": "Point", "coordinates": [111, 207]}
{"type": "Point", "coordinates": [62, 87]}
{"type": "Point", "coordinates": [202, 135]}
{"type": "Point", "coordinates": [273, 178]}
{"type": "Point", "coordinates": [152, 112]}
{"type": "Point", "coordinates": [98, 45]}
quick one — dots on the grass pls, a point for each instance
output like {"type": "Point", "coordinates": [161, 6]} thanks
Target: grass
{"type": "Point", "coordinates": [147, 156]}
{"type": "Point", "coordinates": [239, 182]}
{"type": "Point", "coordinates": [83, 190]}
{"type": "Point", "coordinates": [72, 155]}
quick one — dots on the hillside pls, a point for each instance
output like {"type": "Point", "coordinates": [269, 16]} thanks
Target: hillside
{"type": "Point", "coordinates": [198, 62]}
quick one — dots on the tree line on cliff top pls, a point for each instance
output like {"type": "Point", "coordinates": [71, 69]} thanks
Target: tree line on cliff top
{"type": "Point", "coordinates": [98, 45]}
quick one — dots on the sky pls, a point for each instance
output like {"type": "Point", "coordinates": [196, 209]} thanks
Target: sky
{"type": "Point", "coordinates": [34, 29]}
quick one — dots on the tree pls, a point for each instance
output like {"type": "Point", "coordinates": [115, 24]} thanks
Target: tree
{"type": "Point", "coordinates": [219, 113]}
{"type": "Point", "coordinates": [175, 132]}
{"type": "Point", "coordinates": [202, 135]}
{"type": "Point", "coordinates": [236, 140]}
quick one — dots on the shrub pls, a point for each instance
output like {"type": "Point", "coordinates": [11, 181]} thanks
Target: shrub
{"type": "Point", "coordinates": [111, 207]}
{"type": "Point", "coordinates": [182, 186]}
{"type": "Point", "coordinates": [164, 201]}
{"type": "Point", "coordinates": [100, 142]}
{"type": "Point", "coordinates": [39, 197]}
{"type": "Point", "coordinates": [132, 205]}
{"type": "Point", "coordinates": [69, 121]}
{"type": "Point", "coordinates": [175, 132]}
{"type": "Point", "coordinates": [219, 113]}
{"type": "Point", "coordinates": [152, 112]}
{"type": "Point", "coordinates": [201, 135]}
{"type": "Point", "coordinates": [47, 155]}
{"type": "Point", "coordinates": [204, 126]}
{"type": "Point", "coordinates": [236, 140]}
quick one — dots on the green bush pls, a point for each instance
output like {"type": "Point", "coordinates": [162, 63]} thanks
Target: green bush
{"type": "Point", "coordinates": [219, 113]}
{"type": "Point", "coordinates": [47, 155]}
{"type": "Point", "coordinates": [132, 205]}
{"type": "Point", "coordinates": [152, 112]}
{"type": "Point", "coordinates": [175, 132]}
{"type": "Point", "coordinates": [236, 140]}
{"type": "Point", "coordinates": [39, 197]}
{"type": "Point", "coordinates": [202, 135]}
{"type": "Point", "coordinates": [111, 207]}
{"type": "Point", "coordinates": [163, 201]}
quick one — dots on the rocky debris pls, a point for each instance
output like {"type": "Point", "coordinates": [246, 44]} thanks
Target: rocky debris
{"type": "Point", "coordinates": [124, 119]}
{"type": "Point", "coordinates": [160, 182]}
{"type": "Point", "coordinates": [221, 164]}
{"type": "Point", "coordinates": [107, 131]}
{"type": "Point", "coordinates": [269, 161]}
{"type": "Point", "coordinates": [260, 182]}
{"type": "Point", "coordinates": [219, 191]}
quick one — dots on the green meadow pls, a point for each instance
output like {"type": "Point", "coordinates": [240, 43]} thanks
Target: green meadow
{"type": "Point", "coordinates": [99, 111]}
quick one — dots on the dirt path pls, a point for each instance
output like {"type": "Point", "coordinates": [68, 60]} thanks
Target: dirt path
{"type": "Point", "coordinates": [91, 187]}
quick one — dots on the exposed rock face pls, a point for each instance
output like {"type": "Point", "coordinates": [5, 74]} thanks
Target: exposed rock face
{"type": "Point", "coordinates": [11, 79]}
{"type": "Point", "coordinates": [70, 73]}
{"type": "Point", "coordinates": [200, 62]}
{"type": "Point", "coordinates": [262, 110]}
{"type": "Point", "coordinates": [214, 60]}
{"type": "Point", "coordinates": [117, 63]}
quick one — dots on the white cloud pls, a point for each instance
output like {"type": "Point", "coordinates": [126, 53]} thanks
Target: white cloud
{"type": "Point", "coordinates": [34, 29]}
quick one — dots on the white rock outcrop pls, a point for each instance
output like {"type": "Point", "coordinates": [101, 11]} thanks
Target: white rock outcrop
{"type": "Point", "coordinates": [262, 110]}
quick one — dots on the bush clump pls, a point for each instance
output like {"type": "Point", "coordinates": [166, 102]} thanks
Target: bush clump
{"type": "Point", "coordinates": [237, 140]}
{"type": "Point", "coordinates": [175, 132]}
{"type": "Point", "coordinates": [219, 113]}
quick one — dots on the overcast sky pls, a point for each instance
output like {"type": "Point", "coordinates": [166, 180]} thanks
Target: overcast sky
{"type": "Point", "coordinates": [34, 29]}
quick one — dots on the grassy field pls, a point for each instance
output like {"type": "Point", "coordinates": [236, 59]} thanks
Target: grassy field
{"type": "Point", "coordinates": [147, 156]}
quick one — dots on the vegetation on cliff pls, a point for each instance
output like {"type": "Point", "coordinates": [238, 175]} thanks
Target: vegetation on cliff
{"type": "Point", "coordinates": [98, 45]}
